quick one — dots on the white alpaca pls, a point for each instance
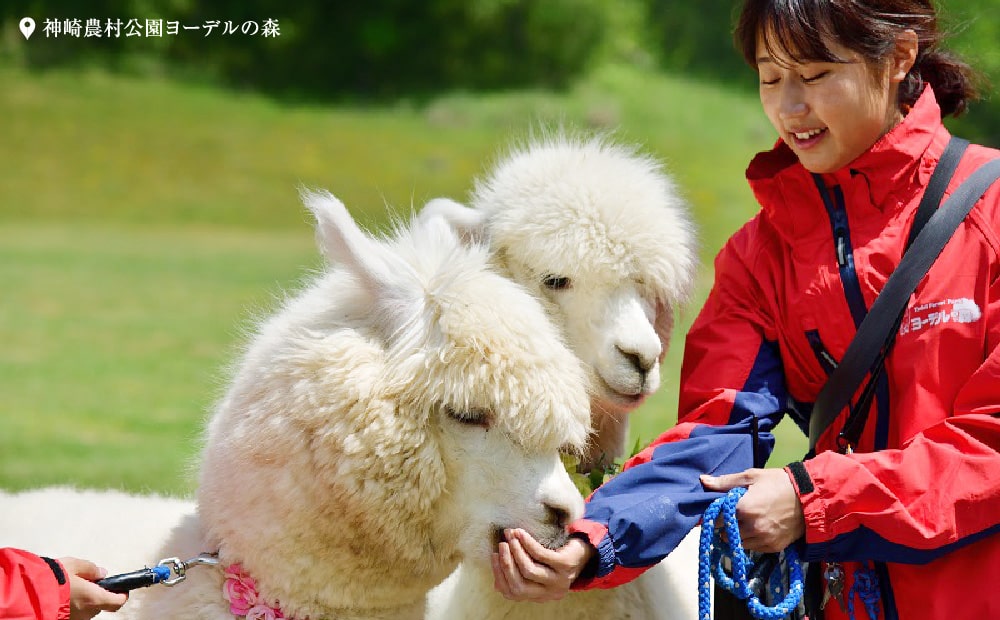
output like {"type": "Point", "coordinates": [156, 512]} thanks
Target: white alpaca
{"type": "Point", "coordinates": [599, 232]}
{"type": "Point", "coordinates": [385, 424]}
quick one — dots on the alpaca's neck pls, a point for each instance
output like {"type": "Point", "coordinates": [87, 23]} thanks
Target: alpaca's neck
{"type": "Point", "coordinates": [411, 611]}
{"type": "Point", "coordinates": [610, 434]}
{"type": "Point", "coordinates": [315, 556]}
{"type": "Point", "coordinates": [332, 581]}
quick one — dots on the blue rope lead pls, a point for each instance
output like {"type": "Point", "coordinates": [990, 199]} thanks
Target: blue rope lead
{"type": "Point", "coordinates": [866, 587]}
{"type": "Point", "coordinates": [711, 551]}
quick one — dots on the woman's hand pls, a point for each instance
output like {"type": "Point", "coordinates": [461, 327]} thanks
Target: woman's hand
{"type": "Point", "coordinates": [86, 598]}
{"type": "Point", "coordinates": [524, 570]}
{"type": "Point", "coordinates": [770, 514]}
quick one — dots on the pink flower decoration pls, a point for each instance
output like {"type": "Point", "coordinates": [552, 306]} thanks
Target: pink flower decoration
{"type": "Point", "coordinates": [240, 590]}
{"type": "Point", "coordinates": [244, 600]}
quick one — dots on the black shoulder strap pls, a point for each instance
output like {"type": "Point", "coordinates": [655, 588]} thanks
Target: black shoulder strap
{"type": "Point", "coordinates": [880, 325]}
{"type": "Point", "coordinates": [938, 183]}
{"type": "Point", "coordinates": [933, 193]}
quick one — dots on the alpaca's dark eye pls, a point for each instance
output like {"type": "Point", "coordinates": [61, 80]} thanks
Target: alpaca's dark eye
{"type": "Point", "coordinates": [556, 283]}
{"type": "Point", "coordinates": [473, 416]}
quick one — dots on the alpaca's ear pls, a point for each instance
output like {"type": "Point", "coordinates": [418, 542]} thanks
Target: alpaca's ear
{"type": "Point", "coordinates": [470, 224]}
{"type": "Point", "coordinates": [343, 242]}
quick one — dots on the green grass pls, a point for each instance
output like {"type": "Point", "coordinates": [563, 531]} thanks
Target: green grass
{"type": "Point", "coordinates": [144, 224]}
{"type": "Point", "coordinates": [115, 344]}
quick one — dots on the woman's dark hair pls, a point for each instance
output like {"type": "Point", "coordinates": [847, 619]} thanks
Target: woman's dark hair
{"type": "Point", "coordinates": [801, 29]}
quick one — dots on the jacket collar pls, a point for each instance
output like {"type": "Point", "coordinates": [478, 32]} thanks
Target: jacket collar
{"type": "Point", "coordinates": [883, 178]}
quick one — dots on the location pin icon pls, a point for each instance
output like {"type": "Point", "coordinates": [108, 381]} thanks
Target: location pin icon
{"type": "Point", "coordinates": [27, 27]}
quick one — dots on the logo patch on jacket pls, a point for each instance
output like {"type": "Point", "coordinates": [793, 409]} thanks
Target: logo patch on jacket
{"type": "Point", "coordinates": [930, 315]}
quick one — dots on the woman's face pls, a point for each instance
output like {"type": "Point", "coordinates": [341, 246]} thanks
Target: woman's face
{"type": "Point", "coordinates": [828, 113]}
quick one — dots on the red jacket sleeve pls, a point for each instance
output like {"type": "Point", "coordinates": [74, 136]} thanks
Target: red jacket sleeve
{"type": "Point", "coordinates": [31, 587]}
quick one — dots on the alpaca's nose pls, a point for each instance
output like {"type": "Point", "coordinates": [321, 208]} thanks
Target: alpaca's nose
{"type": "Point", "coordinates": [558, 497]}
{"type": "Point", "coordinates": [557, 516]}
{"type": "Point", "coordinates": [640, 362]}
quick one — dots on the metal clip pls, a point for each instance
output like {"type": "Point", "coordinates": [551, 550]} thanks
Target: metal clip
{"type": "Point", "coordinates": [834, 575]}
{"type": "Point", "coordinates": [180, 568]}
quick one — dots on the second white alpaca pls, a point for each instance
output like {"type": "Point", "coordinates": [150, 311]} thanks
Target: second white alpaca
{"type": "Point", "coordinates": [600, 233]}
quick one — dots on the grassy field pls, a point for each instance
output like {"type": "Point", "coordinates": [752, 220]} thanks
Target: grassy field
{"type": "Point", "coordinates": [145, 224]}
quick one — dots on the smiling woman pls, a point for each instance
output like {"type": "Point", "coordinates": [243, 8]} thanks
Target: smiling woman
{"type": "Point", "coordinates": [831, 112]}
{"type": "Point", "coordinates": [856, 90]}
{"type": "Point", "coordinates": [837, 76]}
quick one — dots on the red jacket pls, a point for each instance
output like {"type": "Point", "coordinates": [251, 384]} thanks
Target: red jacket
{"type": "Point", "coordinates": [32, 588]}
{"type": "Point", "coordinates": [919, 501]}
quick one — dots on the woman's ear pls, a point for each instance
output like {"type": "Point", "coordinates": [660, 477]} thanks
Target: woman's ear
{"type": "Point", "coordinates": [904, 55]}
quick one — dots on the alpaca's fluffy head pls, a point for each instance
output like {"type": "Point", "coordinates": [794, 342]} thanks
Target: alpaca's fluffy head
{"type": "Point", "coordinates": [600, 233]}
{"type": "Point", "coordinates": [391, 419]}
